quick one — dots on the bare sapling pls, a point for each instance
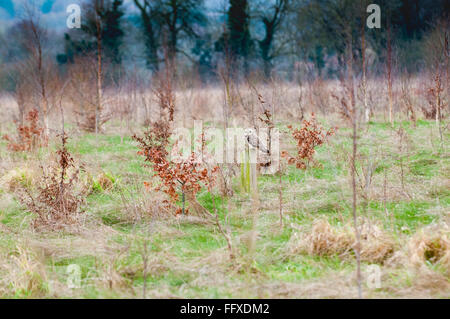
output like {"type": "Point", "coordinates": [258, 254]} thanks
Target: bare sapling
{"type": "Point", "coordinates": [267, 119]}
{"type": "Point", "coordinates": [353, 117]}
{"type": "Point", "coordinates": [364, 72]}
{"type": "Point", "coordinates": [34, 36]}
{"type": "Point", "coordinates": [407, 100]}
{"type": "Point", "coordinates": [438, 51]}
{"type": "Point", "coordinates": [98, 8]}
{"type": "Point", "coordinates": [437, 104]}
{"type": "Point", "coordinates": [84, 94]}
{"type": "Point", "coordinates": [389, 71]}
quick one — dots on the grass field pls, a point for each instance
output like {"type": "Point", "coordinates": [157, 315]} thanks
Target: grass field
{"type": "Point", "coordinates": [124, 250]}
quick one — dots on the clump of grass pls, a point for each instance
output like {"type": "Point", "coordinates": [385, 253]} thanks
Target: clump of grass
{"type": "Point", "coordinates": [326, 240]}
{"type": "Point", "coordinates": [432, 247]}
{"type": "Point", "coordinates": [423, 167]}
{"type": "Point", "coordinates": [23, 275]}
{"type": "Point", "coordinates": [145, 205]}
{"type": "Point", "coordinates": [103, 182]}
{"type": "Point", "coordinates": [377, 245]}
{"type": "Point", "coordinates": [16, 178]}
{"type": "Point", "coordinates": [110, 276]}
{"type": "Point", "coordinates": [323, 240]}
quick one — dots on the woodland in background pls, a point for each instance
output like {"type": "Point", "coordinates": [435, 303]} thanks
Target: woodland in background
{"type": "Point", "coordinates": [269, 38]}
{"type": "Point", "coordinates": [301, 42]}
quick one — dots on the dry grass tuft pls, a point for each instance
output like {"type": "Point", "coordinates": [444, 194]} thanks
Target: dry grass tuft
{"type": "Point", "coordinates": [323, 240]}
{"type": "Point", "coordinates": [105, 182]}
{"type": "Point", "coordinates": [17, 178]}
{"type": "Point", "coordinates": [23, 275]}
{"type": "Point", "coordinates": [149, 205]}
{"type": "Point", "coordinates": [377, 245]}
{"type": "Point", "coordinates": [326, 240]}
{"type": "Point", "coordinates": [431, 246]}
{"type": "Point", "coordinates": [110, 276]}
{"type": "Point", "coordinates": [431, 282]}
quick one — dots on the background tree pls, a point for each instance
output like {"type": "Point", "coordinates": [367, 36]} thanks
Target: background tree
{"type": "Point", "coordinates": [271, 18]}
{"type": "Point", "coordinates": [180, 18]}
{"type": "Point", "coordinates": [97, 8]}
{"type": "Point", "coordinates": [166, 22]}
{"type": "Point", "coordinates": [103, 18]}
{"type": "Point", "coordinates": [150, 29]}
{"type": "Point", "coordinates": [33, 37]}
{"type": "Point", "coordinates": [112, 31]}
{"type": "Point", "coordinates": [236, 40]}
{"type": "Point", "coordinates": [100, 36]}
